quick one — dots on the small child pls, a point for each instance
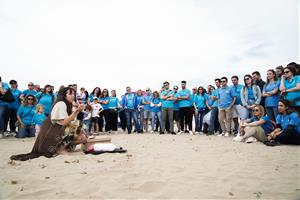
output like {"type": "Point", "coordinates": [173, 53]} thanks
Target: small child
{"type": "Point", "coordinates": [38, 118]}
{"type": "Point", "coordinates": [96, 109]}
{"type": "Point", "coordinates": [87, 118]}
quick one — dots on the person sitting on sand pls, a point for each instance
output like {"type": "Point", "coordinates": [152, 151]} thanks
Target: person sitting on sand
{"type": "Point", "coordinates": [53, 138]}
{"type": "Point", "coordinates": [287, 125]}
{"type": "Point", "coordinates": [255, 128]}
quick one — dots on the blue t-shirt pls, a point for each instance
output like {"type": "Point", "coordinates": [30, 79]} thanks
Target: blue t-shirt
{"type": "Point", "coordinates": [267, 126]}
{"type": "Point", "coordinates": [147, 99]}
{"type": "Point", "coordinates": [26, 114]}
{"type": "Point", "coordinates": [225, 96]}
{"type": "Point", "coordinates": [167, 103]}
{"type": "Point", "coordinates": [156, 109]}
{"type": "Point", "coordinates": [250, 93]}
{"type": "Point", "coordinates": [46, 100]}
{"type": "Point", "coordinates": [273, 100]}
{"type": "Point", "coordinates": [200, 101]}
{"type": "Point", "coordinates": [176, 105]}
{"type": "Point", "coordinates": [17, 103]}
{"type": "Point", "coordinates": [28, 92]}
{"type": "Point", "coordinates": [184, 93]}
{"type": "Point", "coordinates": [292, 96]}
{"type": "Point", "coordinates": [38, 119]}
{"type": "Point", "coordinates": [130, 101]}
{"type": "Point", "coordinates": [208, 99]}
{"type": "Point", "coordinates": [215, 94]}
{"type": "Point", "coordinates": [4, 86]}
{"type": "Point", "coordinates": [113, 102]}
{"type": "Point", "coordinates": [291, 119]}
{"type": "Point", "coordinates": [105, 106]}
{"type": "Point", "coordinates": [139, 100]}
{"type": "Point", "coordinates": [237, 92]}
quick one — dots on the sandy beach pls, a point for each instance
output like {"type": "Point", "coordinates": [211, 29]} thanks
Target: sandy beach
{"type": "Point", "coordinates": [155, 167]}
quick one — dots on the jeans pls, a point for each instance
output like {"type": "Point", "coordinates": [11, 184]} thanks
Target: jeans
{"type": "Point", "coordinates": [3, 116]}
{"type": "Point", "coordinates": [153, 119]}
{"type": "Point", "coordinates": [131, 113]}
{"type": "Point", "coordinates": [12, 115]}
{"type": "Point", "coordinates": [28, 131]}
{"type": "Point", "coordinates": [199, 119]}
{"type": "Point", "coordinates": [140, 114]}
{"type": "Point", "coordinates": [214, 122]}
{"type": "Point", "coordinates": [272, 112]}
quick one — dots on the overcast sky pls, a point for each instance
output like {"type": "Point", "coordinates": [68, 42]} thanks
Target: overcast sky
{"type": "Point", "coordinates": [115, 43]}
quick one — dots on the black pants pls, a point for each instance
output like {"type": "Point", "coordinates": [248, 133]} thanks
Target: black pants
{"type": "Point", "coordinates": [12, 117]}
{"type": "Point", "coordinates": [106, 118]}
{"type": "Point", "coordinates": [288, 136]}
{"type": "Point", "coordinates": [122, 119]}
{"type": "Point", "coordinates": [113, 120]}
{"type": "Point", "coordinates": [186, 117]}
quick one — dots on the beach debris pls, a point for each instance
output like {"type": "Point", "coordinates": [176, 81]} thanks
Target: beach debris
{"type": "Point", "coordinates": [258, 194]}
{"type": "Point", "coordinates": [129, 155]}
{"type": "Point", "coordinates": [47, 177]}
{"type": "Point", "coordinates": [83, 172]}
{"type": "Point", "coordinates": [22, 189]}
{"type": "Point", "coordinates": [13, 182]}
{"type": "Point", "coordinates": [231, 194]}
{"type": "Point", "coordinates": [297, 189]}
{"type": "Point", "coordinates": [42, 166]}
{"type": "Point", "coordinates": [100, 161]}
{"type": "Point", "coordinates": [191, 139]}
{"type": "Point", "coordinates": [114, 160]}
{"type": "Point", "coordinates": [13, 163]}
{"type": "Point", "coordinates": [67, 162]}
{"type": "Point", "coordinates": [75, 161]}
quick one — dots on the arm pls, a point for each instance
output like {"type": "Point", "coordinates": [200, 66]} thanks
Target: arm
{"type": "Point", "coordinates": [282, 87]}
{"type": "Point", "coordinates": [256, 123]}
{"type": "Point", "coordinates": [67, 120]}
{"type": "Point", "coordinates": [294, 88]}
{"type": "Point", "coordinates": [232, 103]}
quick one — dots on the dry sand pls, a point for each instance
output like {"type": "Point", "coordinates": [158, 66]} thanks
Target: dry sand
{"type": "Point", "coordinates": [155, 167]}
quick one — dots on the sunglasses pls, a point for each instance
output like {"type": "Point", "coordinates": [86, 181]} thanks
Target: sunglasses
{"type": "Point", "coordinates": [30, 99]}
{"type": "Point", "coordinates": [246, 79]}
{"type": "Point", "coordinates": [223, 81]}
{"type": "Point", "coordinates": [30, 85]}
{"type": "Point", "coordinates": [286, 72]}
{"type": "Point", "coordinates": [255, 110]}
{"type": "Point", "coordinates": [175, 88]}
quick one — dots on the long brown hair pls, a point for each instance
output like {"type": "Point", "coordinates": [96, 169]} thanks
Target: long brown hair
{"type": "Point", "coordinates": [62, 94]}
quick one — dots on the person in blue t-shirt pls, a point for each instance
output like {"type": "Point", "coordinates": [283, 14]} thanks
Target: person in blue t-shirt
{"type": "Point", "coordinates": [25, 116]}
{"type": "Point", "coordinates": [147, 109]}
{"type": "Point", "coordinates": [155, 110]}
{"type": "Point", "coordinates": [3, 107]}
{"type": "Point", "coordinates": [271, 94]}
{"type": "Point", "coordinates": [167, 99]}
{"type": "Point", "coordinates": [226, 100]}
{"type": "Point", "coordinates": [104, 101]}
{"type": "Point", "coordinates": [290, 86]}
{"type": "Point", "coordinates": [46, 98]}
{"type": "Point", "coordinates": [113, 107]}
{"type": "Point", "coordinates": [287, 125]}
{"type": "Point", "coordinates": [176, 116]}
{"type": "Point", "coordinates": [129, 103]}
{"type": "Point", "coordinates": [214, 124]}
{"type": "Point", "coordinates": [185, 107]}
{"type": "Point", "coordinates": [13, 106]}
{"type": "Point", "coordinates": [200, 104]}
{"type": "Point", "coordinates": [257, 127]}
{"type": "Point", "coordinates": [238, 110]}
{"type": "Point", "coordinates": [38, 118]}
{"type": "Point", "coordinates": [140, 109]}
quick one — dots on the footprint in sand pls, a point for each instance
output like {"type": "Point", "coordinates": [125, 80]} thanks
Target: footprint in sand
{"type": "Point", "coordinates": [150, 186]}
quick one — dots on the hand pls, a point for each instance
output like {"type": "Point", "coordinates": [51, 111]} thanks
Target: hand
{"type": "Point", "coordinates": [22, 125]}
{"type": "Point", "coordinates": [80, 107]}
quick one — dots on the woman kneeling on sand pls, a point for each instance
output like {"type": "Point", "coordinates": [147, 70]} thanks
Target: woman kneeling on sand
{"type": "Point", "coordinates": [255, 128]}
{"type": "Point", "coordinates": [57, 133]}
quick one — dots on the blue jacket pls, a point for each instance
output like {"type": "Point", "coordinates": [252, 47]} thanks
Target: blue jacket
{"type": "Point", "coordinates": [125, 100]}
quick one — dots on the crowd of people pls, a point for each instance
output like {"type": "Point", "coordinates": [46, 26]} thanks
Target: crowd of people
{"type": "Point", "coordinates": [252, 109]}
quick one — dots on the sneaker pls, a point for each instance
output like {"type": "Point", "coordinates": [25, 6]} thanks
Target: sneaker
{"type": "Point", "coordinates": [186, 131]}
{"type": "Point", "coordinates": [196, 133]}
{"type": "Point", "coordinates": [226, 134]}
{"type": "Point", "coordinates": [1, 135]}
{"type": "Point", "coordinates": [238, 138]}
{"type": "Point", "coordinates": [160, 133]}
{"type": "Point", "coordinates": [201, 133]}
{"type": "Point", "coordinates": [191, 132]}
{"type": "Point", "coordinates": [180, 132]}
{"type": "Point", "coordinates": [152, 132]}
{"type": "Point", "coordinates": [251, 140]}
{"type": "Point", "coordinates": [173, 133]}
{"type": "Point", "coordinates": [221, 134]}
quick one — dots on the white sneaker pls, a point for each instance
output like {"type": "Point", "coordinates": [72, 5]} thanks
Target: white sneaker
{"type": "Point", "coordinates": [221, 134]}
{"type": "Point", "coordinates": [196, 133]}
{"type": "Point", "coordinates": [191, 132]}
{"type": "Point", "coordinates": [201, 133]}
{"type": "Point", "coordinates": [180, 132]}
{"type": "Point", "coordinates": [152, 132]}
{"type": "Point", "coordinates": [238, 138]}
{"type": "Point", "coordinates": [251, 140]}
{"type": "Point", "coordinates": [1, 135]}
{"type": "Point", "coordinates": [226, 134]}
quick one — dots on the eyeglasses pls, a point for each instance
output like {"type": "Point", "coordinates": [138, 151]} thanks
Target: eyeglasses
{"type": "Point", "coordinates": [286, 72]}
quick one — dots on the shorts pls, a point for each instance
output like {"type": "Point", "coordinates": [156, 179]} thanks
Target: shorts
{"type": "Point", "coordinates": [147, 114]}
{"type": "Point", "coordinates": [95, 119]}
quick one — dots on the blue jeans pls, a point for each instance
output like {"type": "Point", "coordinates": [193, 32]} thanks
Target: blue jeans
{"type": "Point", "coordinates": [3, 117]}
{"type": "Point", "coordinates": [272, 112]}
{"type": "Point", "coordinates": [131, 113]}
{"type": "Point", "coordinates": [199, 119]}
{"type": "Point", "coordinates": [214, 122]}
{"type": "Point", "coordinates": [140, 114]}
{"type": "Point", "coordinates": [153, 119]}
{"type": "Point", "coordinates": [28, 131]}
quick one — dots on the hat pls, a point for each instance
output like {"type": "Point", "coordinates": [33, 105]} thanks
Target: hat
{"type": "Point", "coordinates": [95, 98]}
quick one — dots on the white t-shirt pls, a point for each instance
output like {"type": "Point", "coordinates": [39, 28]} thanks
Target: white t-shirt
{"type": "Point", "coordinates": [59, 112]}
{"type": "Point", "coordinates": [96, 107]}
